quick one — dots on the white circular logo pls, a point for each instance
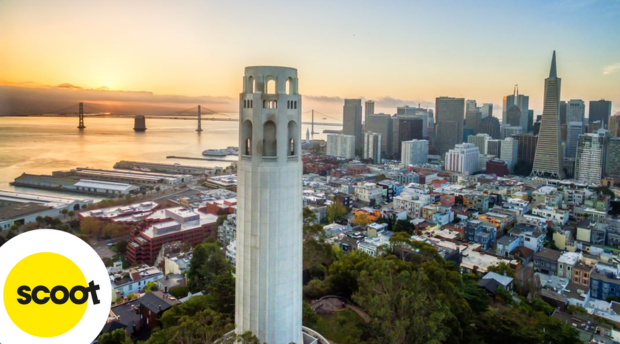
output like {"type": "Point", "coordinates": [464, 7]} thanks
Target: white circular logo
{"type": "Point", "coordinates": [54, 289]}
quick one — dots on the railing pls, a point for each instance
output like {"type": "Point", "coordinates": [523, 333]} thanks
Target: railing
{"type": "Point", "coordinates": [308, 332]}
{"type": "Point", "coordinates": [270, 159]}
{"type": "Point", "coordinates": [246, 158]}
{"type": "Point", "coordinates": [293, 158]}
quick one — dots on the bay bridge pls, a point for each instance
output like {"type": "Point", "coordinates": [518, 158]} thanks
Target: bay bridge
{"type": "Point", "coordinates": [81, 109]}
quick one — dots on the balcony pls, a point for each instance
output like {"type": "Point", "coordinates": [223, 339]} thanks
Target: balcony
{"type": "Point", "coordinates": [293, 158]}
{"type": "Point", "coordinates": [246, 158]}
{"type": "Point", "coordinates": [270, 159]}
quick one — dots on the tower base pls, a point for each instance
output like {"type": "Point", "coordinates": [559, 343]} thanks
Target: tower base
{"type": "Point", "coordinates": [310, 336]}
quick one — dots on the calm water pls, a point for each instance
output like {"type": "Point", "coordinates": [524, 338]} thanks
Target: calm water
{"type": "Point", "coordinates": [42, 145]}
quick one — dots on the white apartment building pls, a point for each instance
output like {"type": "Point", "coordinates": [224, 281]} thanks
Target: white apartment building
{"type": "Point", "coordinates": [368, 192]}
{"type": "Point", "coordinates": [463, 158]}
{"type": "Point", "coordinates": [589, 159]}
{"type": "Point", "coordinates": [341, 145]}
{"type": "Point", "coordinates": [414, 152]}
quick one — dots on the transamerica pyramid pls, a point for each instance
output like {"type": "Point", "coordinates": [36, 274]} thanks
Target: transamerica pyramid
{"type": "Point", "coordinates": [549, 159]}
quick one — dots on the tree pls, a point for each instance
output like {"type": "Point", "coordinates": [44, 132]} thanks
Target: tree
{"type": "Point", "coordinates": [336, 211]}
{"type": "Point", "coordinates": [121, 247]}
{"type": "Point", "coordinates": [115, 337]}
{"type": "Point", "coordinates": [64, 212]}
{"type": "Point", "coordinates": [179, 292]}
{"type": "Point", "coordinates": [309, 317]}
{"type": "Point", "coordinates": [2, 240]}
{"type": "Point", "coordinates": [503, 269]}
{"type": "Point", "coordinates": [308, 216]}
{"type": "Point", "coordinates": [402, 305]}
{"type": "Point", "coordinates": [207, 262]}
{"type": "Point", "coordinates": [151, 287]}
{"type": "Point", "coordinates": [361, 219]}
{"type": "Point", "coordinates": [404, 226]}
{"type": "Point", "coordinates": [380, 177]}
{"type": "Point", "coordinates": [91, 226]}
{"type": "Point", "coordinates": [71, 214]}
{"type": "Point", "coordinates": [132, 296]}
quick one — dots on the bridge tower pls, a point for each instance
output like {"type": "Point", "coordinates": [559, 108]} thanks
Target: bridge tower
{"type": "Point", "coordinates": [81, 116]}
{"type": "Point", "coordinates": [199, 120]}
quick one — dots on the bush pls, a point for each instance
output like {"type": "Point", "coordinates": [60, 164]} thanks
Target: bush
{"type": "Point", "coordinates": [179, 292]}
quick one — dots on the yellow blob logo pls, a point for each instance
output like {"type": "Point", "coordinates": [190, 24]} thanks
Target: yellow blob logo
{"type": "Point", "coordinates": [46, 294]}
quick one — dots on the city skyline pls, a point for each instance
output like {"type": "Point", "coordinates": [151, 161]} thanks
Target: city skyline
{"type": "Point", "coordinates": [134, 54]}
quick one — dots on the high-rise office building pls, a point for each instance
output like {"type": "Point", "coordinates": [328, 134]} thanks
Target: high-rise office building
{"type": "Point", "coordinates": [549, 158]}
{"type": "Point", "coordinates": [513, 116]}
{"type": "Point", "coordinates": [491, 126]}
{"type": "Point", "coordinates": [522, 102]}
{"type": "Point", "coordinates": [382, 124]}
{"type": "Point", "coordinates": [472, 120]}
{"type": "Point", "coordinates": [487, 110]}
{"type": "Point", "coordinates": [530, 121]}
{"type": "Point", "coordinates": [508, 131]}
{"type": "Point", "coordinates": [369, 110]}
{"type": "Point", "coordinates": [269, 273]}
{"type": "Point", "coordinates": [450, 113]}
{"type": "Point", "coordinates": [510, 152]}
{"type": "Point", "coordinates": [471, 105]}
{"type": "Point", "coordinates": [352, 121]}
{"type": "Point", "coordinates": [410, 129]}
{"type": "Point", "coordinates": [480, 140]}
{"type": "Point", "coordinates": [414, 152]}
{"type": "Point", "coordinates": [573, 131]}
{"type": "Point", "coordinates": [600, 110]}
{"type": "Point", "coordinates": [463, 158]}
{"type": "Point", "coordinates": [340, 145]}
{"type": "Point", "coordinates": [612, 167]}
{"type": "Point", "coordinates": [527, 147]}
{"type": "Point", "coordinates": [563, 111]}
{"type": "Point", "coordinates": [614, 125]}
{"type": "Point", "coordinates": [413, 112]}
{"type": "Point", "coordinates": [575, 111]}
{"type": "Point", "coordinates": [372, 146]}
{"type": "Point", "coordinates": [589, 161]}
{"type": "Point", "coordinates": [494, 147]}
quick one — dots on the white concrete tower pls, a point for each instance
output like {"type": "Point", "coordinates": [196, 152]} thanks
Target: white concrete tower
{"type": "Point", "coordinates": [269, 208]}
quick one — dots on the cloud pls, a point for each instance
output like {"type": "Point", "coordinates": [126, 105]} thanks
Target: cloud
{"type": "Point", "coordinates": [324, 99]}
{"type": "Point", "coordinates": [608, 70]}
{"type": "Point", "coordinates": [389, 102]}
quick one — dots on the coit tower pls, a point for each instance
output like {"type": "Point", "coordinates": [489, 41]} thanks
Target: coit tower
{"type": "Point", "coordinates": [269, 208]}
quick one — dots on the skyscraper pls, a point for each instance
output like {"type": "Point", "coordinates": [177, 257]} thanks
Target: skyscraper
{"type": "Point", "coordinates": [487, 110]}
{"type": "Point", "coordinates": [589, 161]}
{"type": "Point", "coordinates": [573, 131]}
{"type": "Point", "coordinates": [473, 116]}
{"type": "Point", "coordinates": [269, 210]}
{"type": "Point", "coordinates": [480, 140]}
{"type": "Point", "coordinates": [352, 121]}
{"type": "Point", "coordinates": [549, 159]}
{"type": "Point", "coordinates": [410, 129]}
{"type": "Point", "coordinates": [414, 152]}
{"type": "Point", "coordinates": [450, 113]}
{"type": "Point", "coordinates": [562, 112]}
{"type": "Point", "coordinates": [509, 152]}
{"type": "Point", "coordinates": [494, 147]}
{"type": "Point", "coordinates": [530, 121]}
{"type": "Point", "coordinates": [369, 109]}
{"type": "Point", "coordinates": [408, 111]}
{"type": "Point", "coordinates": [527, 147]}
{"type": "Point", "coordinates": [491, 126]}
{"type": "Point", "coordinates": [513, 116]}
{"type": "Point", "coordinates": [575, 111]}
{"type": "Point", "coordinates": [382, 124]}
{"type": "Point", "coordinates": [614, 125]}
{"type": "Point", "coordinates": [600, 110]}
{"type": "Point", "coordinates": [522, 102]}
{"type": "Point", "coordinates": [613, 159]}
{"type": "Point", "coordinates": [372, 146]}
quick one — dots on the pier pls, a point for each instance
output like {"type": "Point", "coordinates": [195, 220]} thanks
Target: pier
{"type": "Point", "coordinates": [203, 159]}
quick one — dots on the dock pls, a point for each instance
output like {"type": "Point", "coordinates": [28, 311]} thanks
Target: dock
{"type": "Point", "coordinates": [202, 159]}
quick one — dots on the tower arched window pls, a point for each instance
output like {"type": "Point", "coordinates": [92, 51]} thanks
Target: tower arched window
{"type": "Point", "coordinates": [290, 87]}
{"type": "Point", "coordinates": [271, 86]}
{"type": "Point", "coordinates": [269, 139]}
{"type": "Point", "coordinates": [293, 138]}
{"type": "Point", "coordinates": [251, 84]}
{"type": "Point", "coordinates": [246, 133]}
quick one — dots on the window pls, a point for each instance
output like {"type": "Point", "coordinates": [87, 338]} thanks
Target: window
{"type": "Point", "coordinates": [246, 132]}
{"type": "Point", "coordinates": [271, 86]}
{"type": "Point", "coordinates": [289, 86]}
{"type": "Point", "coordinates": [269, 139]}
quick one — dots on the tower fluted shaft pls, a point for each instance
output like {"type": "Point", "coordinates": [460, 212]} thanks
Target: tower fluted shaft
{"type": "Point", "coordinates": [269, 207]}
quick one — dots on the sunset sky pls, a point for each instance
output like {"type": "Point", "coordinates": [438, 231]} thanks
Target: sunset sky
{"type": "Point", "coordinates": [399, 51]}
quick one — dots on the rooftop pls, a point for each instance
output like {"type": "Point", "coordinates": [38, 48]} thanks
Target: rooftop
{"type": "Point", "coordinates": [21, 210]}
